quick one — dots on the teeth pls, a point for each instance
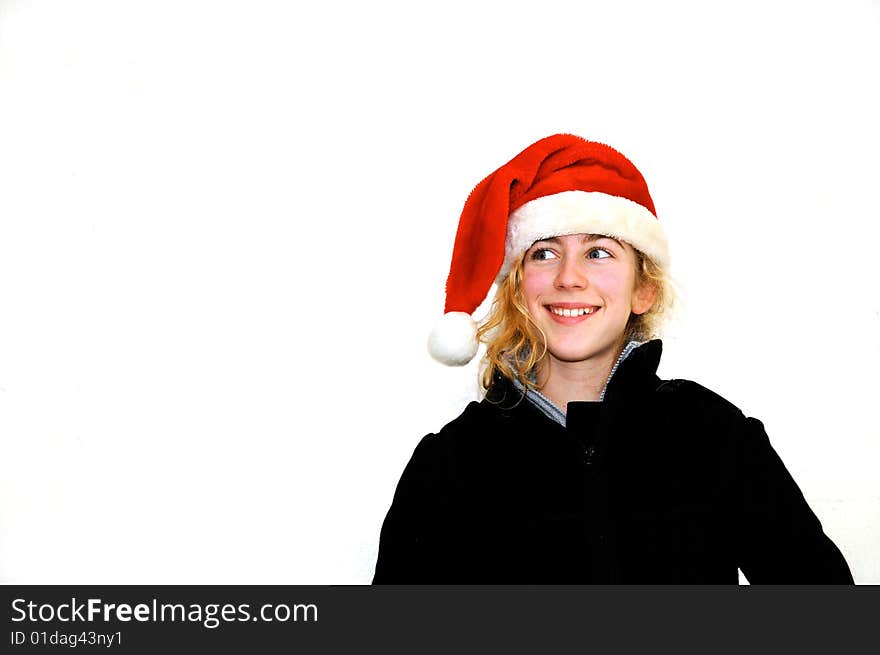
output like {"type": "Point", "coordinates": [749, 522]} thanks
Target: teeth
{"type": "Point", "coordinates": [581, 311]}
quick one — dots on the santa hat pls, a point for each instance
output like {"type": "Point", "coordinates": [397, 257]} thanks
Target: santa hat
{"type": "Point", "coordinates": [562, 184]}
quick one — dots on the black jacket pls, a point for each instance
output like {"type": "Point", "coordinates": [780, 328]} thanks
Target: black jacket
{"type": "Point", "coordinates": [662, 482]}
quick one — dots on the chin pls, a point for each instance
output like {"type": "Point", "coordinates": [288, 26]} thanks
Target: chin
{"type": "Point", "coordinates": [579, 352]}
{"type": "Point", "coordinates": [573, 355]}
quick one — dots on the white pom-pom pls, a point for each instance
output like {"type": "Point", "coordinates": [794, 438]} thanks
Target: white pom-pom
{"type": "Point", "coordinates": [453, 340]}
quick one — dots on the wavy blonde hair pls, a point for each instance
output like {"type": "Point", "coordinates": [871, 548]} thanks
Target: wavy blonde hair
{"type": "Point", "coordinates": [515, 345]}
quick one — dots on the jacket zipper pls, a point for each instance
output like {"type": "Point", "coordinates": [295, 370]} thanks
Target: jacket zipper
{"type": "Point", "coordinates": [590, 451]}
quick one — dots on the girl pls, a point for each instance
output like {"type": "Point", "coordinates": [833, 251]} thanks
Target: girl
{"type": "Point", "coordinates": [580, 465]}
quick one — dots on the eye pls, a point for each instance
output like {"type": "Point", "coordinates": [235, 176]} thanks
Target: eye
{"type": "Point", "coordinates": [542, 254]}
{"type": "Point", "coordinates": [598, 253]}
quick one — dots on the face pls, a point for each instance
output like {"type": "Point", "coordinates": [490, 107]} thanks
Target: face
{"type": "Point", "coordinates": [581, 289]}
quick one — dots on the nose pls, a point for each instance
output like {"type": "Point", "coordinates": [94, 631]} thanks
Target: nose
{"type": "Point", "coordinates": [570, 274]}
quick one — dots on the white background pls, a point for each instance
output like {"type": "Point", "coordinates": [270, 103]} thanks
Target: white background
{"type": "Point", "coordinates": [225, 229]}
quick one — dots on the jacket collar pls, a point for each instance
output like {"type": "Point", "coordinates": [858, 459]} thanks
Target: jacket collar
{"type": "Point", "coordinates": [637, 373]}
{"type": "Point", "coordinates": [633, 375]}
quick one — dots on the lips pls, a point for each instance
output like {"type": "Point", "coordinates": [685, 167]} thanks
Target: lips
{"type": "Point", "coordinates": [570, 313]}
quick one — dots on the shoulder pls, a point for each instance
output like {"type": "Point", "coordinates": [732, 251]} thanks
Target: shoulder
{"type": "Point", "coordinates": [691, 408]}
{"type": "Point", "coordinates": [470, 419]}
{"type": "Point", "coordinates": [477, 418]}
{"type": "Point", "coordinates": [472, 435]}
{"type": "Point", "coordinates": [692, 395]}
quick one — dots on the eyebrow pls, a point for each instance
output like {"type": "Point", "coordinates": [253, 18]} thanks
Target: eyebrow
{"type": "Point", "coordinates": [587, 238]}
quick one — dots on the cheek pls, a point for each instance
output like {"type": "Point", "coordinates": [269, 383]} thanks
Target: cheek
{"type": "Point", "coordinates": [534, 284]}
{"type": "Point", "coordinates": [614, 286]}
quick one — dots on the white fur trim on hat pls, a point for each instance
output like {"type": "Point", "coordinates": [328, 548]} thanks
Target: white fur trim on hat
{"type": "Point", "coordinates": [588, 212]}
{"type": "Point", "coordinates": [453, 340]}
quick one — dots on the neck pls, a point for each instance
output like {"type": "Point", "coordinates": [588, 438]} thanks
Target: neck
{"type": "Point", "coordinates": [563, 382]}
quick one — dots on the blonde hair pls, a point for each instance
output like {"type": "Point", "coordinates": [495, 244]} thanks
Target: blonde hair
{"type": "Point", "coordinates": [515, 345]}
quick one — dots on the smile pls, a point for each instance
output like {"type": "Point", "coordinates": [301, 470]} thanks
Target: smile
{"type": "Point", "coordinates": [576, 311]}
{"type": "Point", "coordinates": [570, 314]}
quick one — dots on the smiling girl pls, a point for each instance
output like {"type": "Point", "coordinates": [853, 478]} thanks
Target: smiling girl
{"type": "Point", "coordinates": [581, 465]}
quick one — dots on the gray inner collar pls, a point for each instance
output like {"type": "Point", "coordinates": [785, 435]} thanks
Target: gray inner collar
{"type": "Point", "coordinates": [552, 412]}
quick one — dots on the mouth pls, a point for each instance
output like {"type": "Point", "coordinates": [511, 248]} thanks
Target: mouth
{"type": "Point", "coordinates": [569, 313]}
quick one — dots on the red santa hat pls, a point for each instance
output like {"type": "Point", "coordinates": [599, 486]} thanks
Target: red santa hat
{"type": "Point", "coordinates": [562, 184]}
